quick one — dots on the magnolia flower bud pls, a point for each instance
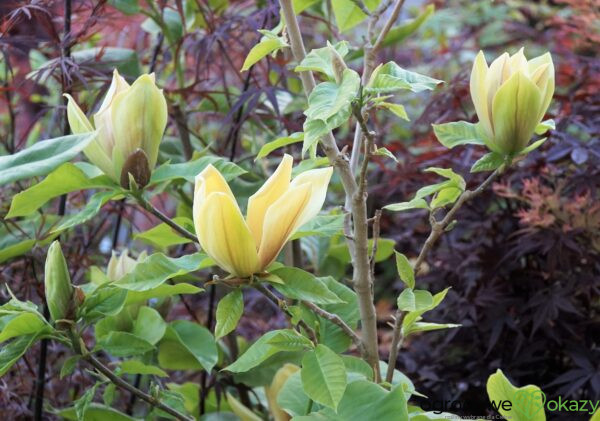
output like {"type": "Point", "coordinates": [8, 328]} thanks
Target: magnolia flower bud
{"type": "Point", "coordinates": [247, 246]}
{"type": "Point", "coordinates": [511, 98]}
{"type": "Point", "coordinates": [130, 119]}
{"type": "Point", "coordinates": [57, 282]}
{"type": "Point", "coordinates": [122, 265]}
{"type": "Point", "coordinates": [337, 63]}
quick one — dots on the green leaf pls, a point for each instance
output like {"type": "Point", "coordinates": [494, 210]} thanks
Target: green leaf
{"type": "Point", "coordinates": [328, 98]}
{"type": "Point", "coordinates": [413, 316]}
{"type": "Point", "coordinates": [267, 148]}
{"type": "Point", "coordinates": [414, 300]}
{"type": "Point", "coordinates": [25, 323]}
{"type": "Point", "coordinates": [319, 60]}
{"type": "Point", "coordinates": [291, 397]}
{"type": "Point", "coordinates": [42, 157]}
{"type": "Point", "coordinates": [397, 109]}
{"type": "Point", "coordinates": [83, 403]}
{"type": "Point", "coordinates": [368, 401]}
{"type": "Point", "coordinates": [321, 225]}
{"type": "Point", "coordinates": [128, 7]}
{"type": "Point", "coordinates": [69, 365]}
{"type": "Point", "coordinates": [96, 412]}
{"type": "Point", "coordinates": [290, 340]}
{"type": "Point", "coordinates": [123, 344]}
{"type": "Point", "coordinates": [266, 46]}
{"type": "Point", "coordinates": [13, 350]}
{"type": "Point", "coordinates": [329, 107]}
{"type": "Point", "coordinates": [391, 78]}
{"type": "Point", "coordinates": [106, 301]}
{"type": "Point", "coordinates": [161, 291]}
{"type": "Point", "coordinates": [323, 376]}
{"type": "Point", "coordinates": [65, 179]}
{"type": "Point", "coordinates": [488, 162]}
{"type": "Point", "coordinates": [398, 34]}
{"type": "Point", "coordinates": [445, 197]}
{"type": "Point", "coordinates": [229, 311]}
{"type": "Point", "coordinates": [158, 268]}
{"type": "Point", "coordinates": [385, 152]}
{"type": "Point", "coordinates": [358, 366]}
{"type": "Point", "coordinates": [544, 126]}
{"type": "Point", "coordinates": [347, 14]}
{"type": "Point", "coordinates": [17, 249]}
{"type": "Point", "coordinates": [385, 248]}
{"type": "Point", "coordinates": [533, 146]}
{"type": "Point", "coordinates": [416, 203]}
{"type": "Point", "coordinates": [458, 133]}
{"type": "Point", "coordinates": [198, 341]}
{"type": "Point", "coordinates": [189, 170]}
{"type": "Point", "coordinates": [91, 208]}
{"type": "Point", "coordinates": [258, 352]}
{"type": "Point", "coordinates": [301, 5]}
{"type": "Point", "coordinates": [138, 367]}
{"type": "Point", "coordinates": [527, 401]}
{"type": "Point", "coordinates": [405, 270]}
{"type": "Point", "coordinates": [162, 236]}
{"type": "Point", "coordinates": [456, 179]}
{"type": "Point", "coordinates": [301, 285]}
{"type": "Point", "coordinates": [149, 325]}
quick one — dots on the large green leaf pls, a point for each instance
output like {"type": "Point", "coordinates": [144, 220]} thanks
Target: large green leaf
{"type": "Point", "coordinates": [163, 236]}
{"type": "Point", "coordinates": [267, 45]}
{"type": "Point", "coordinates": [123, 344]}
{"type": "Point", "coordinates": [189, 170]}
{"type": "Point", "coordinates": [13, 350]}
{"type": "Point", "coordinates": [391, 78]}
{"type": "Point", "coordinates": [157, 268]}
{"type": "Point", "coordinates": [42, 157]}
{"type": "Point", "coordinates": [301, 285]}
{"type": "Point", "coordinates": [458, 133]}
{"type": "Point", "coordinates": [149, 325]}
{"type": "Point", "coordinates": [323, 376]}
{"type": "Point", "coordinates": [138, 367]}
{"type": "Point", "coordinates": [258, 352]}
{"type": "Point", "coordinates": [290, 340]}
{"type": "Point", "coordinates": [413, 300]}
{"type": "Point", "coordinates": [280, 142]}
{"type": "Point", "coordinates": [292, 397]}
{"type": "Point", "coordinates": [399, 33]}
{"type": "Point", "coordinates": [65, 179]}
{"type": "Point", "coordinates": [319, 60]}
{"type": "Point", "coordinates": [229, 311]}
{"type": "Point", "coordinates": [25, 323]}
{"type": "Point", "coordinates": [96, 412]}
{"type": "Point", "coordinates": [161, 291]}
{"type": "Point", "coordinates": [91, 208]}
{"type": "Point", "coordinates": [197, 340]}
{"type": "Point", "coordinates": [321, 225]}
{"type": "Point", "coordinates": [527, 401]}
{"type": "Point", "coordinates": [347, 14]}
{"type": "Point", "coordinates": [106, 301]}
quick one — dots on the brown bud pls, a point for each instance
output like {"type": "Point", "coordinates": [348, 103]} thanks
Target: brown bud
{"type": "Point", "coordinates": [137, 165]}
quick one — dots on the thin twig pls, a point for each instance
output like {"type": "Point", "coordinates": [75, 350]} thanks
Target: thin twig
{"type": "Point", "coordinates": [119, 382]}
{"type": "Point", "coordinates": [283, 306]}
{"type": "Point", "coordinates": [358, 208]}
{"type": "Point", "coordinates": [150, 208]}
{"type": "Point", "coordinates": [335, 319]}
{"type": "Point", "coordinates": [437, 229]}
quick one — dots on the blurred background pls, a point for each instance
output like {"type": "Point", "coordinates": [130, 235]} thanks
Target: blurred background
{"type": "Point", "coordinates": [523, 261]}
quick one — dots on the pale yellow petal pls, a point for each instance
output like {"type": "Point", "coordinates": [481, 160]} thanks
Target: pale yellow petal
{"type": "Point", "coordinates": [117, 85]}
{"type": "Point", "coordinates": [280, 220]}
{"type": "Point", "coordinates": [515, 110]}
{"type": "Point", "coordinates": [224, 235]}
{"type": "Point", "coordinates": [78, 122]}
{"type": "Point", "coordinates": [210, 180]}
{"type": "Point", "coordinates": [547, 87]}
{"type": "Point", "coordinates": [479, 92]}
{"type": "Point", "coordinates": [318, 180]}
{"type": "Point", "coordinates": [518, 62]}
{"type": "Point", "coordinates": [493, 80]}
{"type": "Point", "coordinates": [259, 202]}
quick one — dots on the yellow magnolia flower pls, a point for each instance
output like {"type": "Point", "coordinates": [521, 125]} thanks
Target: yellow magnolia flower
{"type": "Point", "coordinates": [511, 98]}
{"type": "Point", "coordinates": [122, 265]}
{"type": "Point", "coordinates": [241, 246]}
{"type": "Point", "coordinates": [130, 124]}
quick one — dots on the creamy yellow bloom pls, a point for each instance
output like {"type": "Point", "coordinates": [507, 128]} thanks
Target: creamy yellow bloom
{"type": "Point", "coordinates": [122, 265]}
{"type": "Point", "coordinates": [511, 97]}
{"type": "Point", "coordinates": [241, 246]}
{"type": "Point", "coordinates": [130, 122]}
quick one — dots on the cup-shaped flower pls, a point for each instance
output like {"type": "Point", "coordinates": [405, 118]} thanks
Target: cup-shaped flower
{"type": "Point", "coordinates": [247, 246]}
{"type": "Point", "coordinates": [130, 125]}
{"type": "Point", "coordinates": [511, 97]}
{"type": "Point", "coordinates": [122, 265]}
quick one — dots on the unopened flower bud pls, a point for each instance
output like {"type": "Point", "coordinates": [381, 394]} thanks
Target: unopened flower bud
{"type": "Point", "coordinates": [57, 281]}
